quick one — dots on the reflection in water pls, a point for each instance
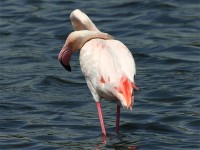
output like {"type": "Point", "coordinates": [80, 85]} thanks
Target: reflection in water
{"type": "Point", "coordinates": [104, 138]}
{"type": "Point", "coordinates": [115, 141]}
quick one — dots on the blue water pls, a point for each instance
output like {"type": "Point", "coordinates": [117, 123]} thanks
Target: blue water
{"type": "Point", "coordinates": [45, 107]}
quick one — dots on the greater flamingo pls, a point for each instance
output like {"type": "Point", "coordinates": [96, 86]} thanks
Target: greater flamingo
{"type": "Point", "coordinates": [107, 64]}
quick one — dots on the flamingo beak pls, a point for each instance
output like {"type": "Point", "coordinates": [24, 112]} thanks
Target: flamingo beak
{"type": "Point", "coordinates": [64, 57]}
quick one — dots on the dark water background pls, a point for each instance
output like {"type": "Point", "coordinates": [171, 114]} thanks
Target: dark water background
{"type": "Point", "coordinates": [44, 107]}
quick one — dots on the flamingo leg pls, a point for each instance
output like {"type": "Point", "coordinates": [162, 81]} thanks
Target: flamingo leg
{"type": "Point", "coordinates": [117, 118]}
{"type": "Point", "coordinates": [98, 104]}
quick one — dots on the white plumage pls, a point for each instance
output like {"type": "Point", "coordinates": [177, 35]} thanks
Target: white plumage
{"type": "Point", "coordinates": [107, 64]}
{"type": "Point", "coordinates": [107, 59]}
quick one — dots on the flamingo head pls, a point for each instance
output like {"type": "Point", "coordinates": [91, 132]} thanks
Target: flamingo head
{"type": "Point", "coordinates": [75, 42]}
{"type": "Point", "coordinates": [65, 56]}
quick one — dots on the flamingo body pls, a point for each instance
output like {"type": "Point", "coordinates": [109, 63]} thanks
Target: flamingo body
{"type": "Point", "coordinates": [104, 64]}
{"type": "Point", "coordinates": [107, 64]}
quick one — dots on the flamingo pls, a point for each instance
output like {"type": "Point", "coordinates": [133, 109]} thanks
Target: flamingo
{"type": "Point", "coordinates": [107, 64]}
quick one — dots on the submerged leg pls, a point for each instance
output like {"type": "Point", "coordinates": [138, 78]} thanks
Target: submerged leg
{"type": "Point", "coordinates": [117, 118]}
{"type": "Point", "coordinates": [101, 117]}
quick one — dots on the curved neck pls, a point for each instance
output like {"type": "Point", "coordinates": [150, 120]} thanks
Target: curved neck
{"type": "Point", "coordinates": [80, 21]}
{"type": "Point", "coordinates": [77, 39]}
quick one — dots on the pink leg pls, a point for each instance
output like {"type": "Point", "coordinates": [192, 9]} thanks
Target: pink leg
{"type": "Point", "coordinates": [117, 118]}
{"type": "Point", "coordinates": [101, 117]}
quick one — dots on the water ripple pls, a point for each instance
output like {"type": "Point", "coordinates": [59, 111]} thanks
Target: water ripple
{"type": "Point", "coordinates": [44, 107]}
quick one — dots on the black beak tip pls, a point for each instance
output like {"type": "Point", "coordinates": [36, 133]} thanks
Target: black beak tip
{"type": "Point", "coordinates": [67, 67]}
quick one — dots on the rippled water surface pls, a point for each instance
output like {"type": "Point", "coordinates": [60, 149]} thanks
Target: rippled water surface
{"type": "Point", "coordinates": [44, 107]}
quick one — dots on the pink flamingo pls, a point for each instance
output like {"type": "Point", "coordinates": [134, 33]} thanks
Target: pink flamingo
{"type": "Point", "coordinates": [107, 64]}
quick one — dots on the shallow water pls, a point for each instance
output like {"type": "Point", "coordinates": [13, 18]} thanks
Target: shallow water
{"type": "Point", "coordinates": [44, 107]}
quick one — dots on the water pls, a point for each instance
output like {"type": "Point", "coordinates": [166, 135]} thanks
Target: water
{"type": "Point", "coordinates": [44, 107]}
